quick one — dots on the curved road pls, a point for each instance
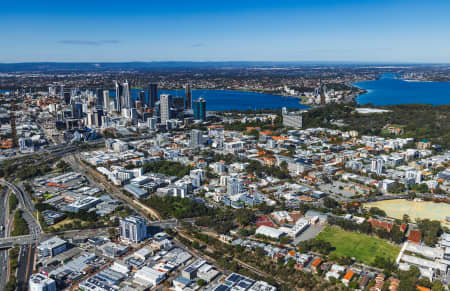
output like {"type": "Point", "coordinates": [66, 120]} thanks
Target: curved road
{"type": "Point", "coordinates": [4, 211]}
{"type": "Point", "coordinates": [26, 255]}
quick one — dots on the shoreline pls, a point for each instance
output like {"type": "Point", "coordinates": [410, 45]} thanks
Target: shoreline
{"type": "Point", "coordinates": [301, 102]}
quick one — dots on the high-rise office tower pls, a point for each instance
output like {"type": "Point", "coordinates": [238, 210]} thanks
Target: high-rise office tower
{"type": "Point", "coordinates": [141, 97]}
{"type": "Point", "coordinates": [119, 93]}
{"type": "Point", "coordinates": [178, 103]}
{"type": "Point", "coordinates": [127, 97]}
{"type": "Point", "coordinates": [138, 106]}
{"type": "Point", "coordinates": [157, 109]}
{"type": "Point", "coordinates": [165, 106]}
{"type": "Point", "coordinates": [99, 98]}
{"type": "Point", "coordinates": [106, 102]}
{"type": "Point", "coordinates": [133, 229]}
{"type": "Point", "coordinates": [61, 90]}
{"type": "Point", "coordinates": [77, 110]}
{"type": "Point", "coordinates": [151, 123]}
{"type": "Point", "coordinates": [67, 98]}
{"type": "Point", "coordinates": [188, 96]}
{"type": "Point", "coordinates": [98, 113]}
{"type": "Point", "coordinates": [90, 118]}
{"type": "Point", "coordinates": [199, 107]}
{"type": "Point", "coordinates": [52, 90]}
{"type": "Point", "coordinates": [152, 95]}
{"type": "Point", "coordinates": [133, 115]}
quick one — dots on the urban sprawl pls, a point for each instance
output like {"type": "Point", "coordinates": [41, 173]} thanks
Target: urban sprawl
{"type": "Point", "coordinates": [106, 189]}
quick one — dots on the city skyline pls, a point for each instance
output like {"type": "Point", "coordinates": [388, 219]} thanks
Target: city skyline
{"type": "Point", "coordinates": [286, 31]}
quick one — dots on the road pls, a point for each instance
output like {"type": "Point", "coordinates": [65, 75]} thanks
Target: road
{"type": "Point", "coordinates": [31, 238]}
{"type": "Point", "coordinates": [26, 205]}
{"type": "Point", "coordinates": [27, 251]}
{"type": "Point", "coordinates": [100, 181]}
{"type": "Point", "coordinates": [25, 266]}
{"type": "Point", "coordinates": [55, 151]}
{"type": "Point", "coordinates": [4, 210]}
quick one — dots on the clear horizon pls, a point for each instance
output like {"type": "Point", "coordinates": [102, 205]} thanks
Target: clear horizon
{"type": "Point", "coordinates": [346, 31]}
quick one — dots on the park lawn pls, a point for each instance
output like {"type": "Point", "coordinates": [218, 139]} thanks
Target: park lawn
{"type": "Point", "coordinates": [362, 247]}
{"type": "Point", "coordinates": [63, 222]}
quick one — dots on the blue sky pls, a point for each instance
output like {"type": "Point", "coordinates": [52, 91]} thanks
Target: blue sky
{"type": "Point", "coordinates": [253, 30]}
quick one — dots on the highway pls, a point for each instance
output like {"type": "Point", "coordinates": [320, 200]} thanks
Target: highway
{"type": "Point", "coordinates": [4, 210]}
{"type": "Point", "coordinates": [45, 154]}
{"type": "Point", "coordinates": [27, 251]}
{"type": "Point", "coordinates": [26, 205]}
{"type": "Point", "coordinates": [27, 243]}
{"type": "Point", "coordinates": [7, 242]}
{"type": "Point", "coordinates": [25, 266]}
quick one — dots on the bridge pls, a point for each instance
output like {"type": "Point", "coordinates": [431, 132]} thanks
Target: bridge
{"type": "Point", "coordinates": [9, 242]}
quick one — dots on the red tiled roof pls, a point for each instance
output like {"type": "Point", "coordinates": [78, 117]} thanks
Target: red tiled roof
{"type": "Point", "coordinates": [403, 227]}
{"type": "Point", "coordinates": [316, 263]}
{"type": "Point", "coordinates": [381, 224]}
{"type": "Point", "coordinates": [415, 236]}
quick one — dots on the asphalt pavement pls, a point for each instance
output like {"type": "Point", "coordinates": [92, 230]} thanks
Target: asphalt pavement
{"type": "Point", "coordinates": [3, 253]}
{"type": "Point", "coordinates": [25, 266]}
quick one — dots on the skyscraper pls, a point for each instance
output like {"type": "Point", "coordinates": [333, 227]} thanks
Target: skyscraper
{"type": "Point", "coordinates": [98, 113]}
{"type": "Point", "coordinates": [151, 123]}
{"type": "Point", "coordinates": [199, 107]}
{"type": "Point", "coordinates": [67, 98]}
{"type": "Point", "coordinates": [77, 110]}
{"type": "Point", "coordinates": [157, 109]}
{"type": "Point", "coordinates": [99, 98]}
{"type": "Point", "coordinates": [61, 90]}
{"type": "Point", "coordinates": [106, 102]}
{"type": "Point", "coordinates": [188, 96]}
{"type": "Point", "coordinates": [142, 97]}
{"type": "Point", "coordinates": [127, 97]}
{"type": "Point", "coordinates": [119, 93]}
{"type": "Point", "coordinates": [178, 103]}
{"type": "Point", "coordinates": [165, 105]}
{"type": "Point", "coordinates": [152, 94]}
{"type": "Point", "coordinates": [133, 229]}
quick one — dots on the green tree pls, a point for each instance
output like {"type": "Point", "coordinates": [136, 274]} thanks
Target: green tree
{"type": "Point", "coordinates": [437, 286]}
{"type": "Point", "coordinates": [11, 285]}
{"type": "Point", "coordinates": [201, 282]}
{"type": "Point", "coordinates": [12, 203]}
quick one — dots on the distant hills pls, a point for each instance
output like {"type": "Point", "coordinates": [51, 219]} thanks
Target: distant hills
{"type": "Point", "coordinates": [143, 66]}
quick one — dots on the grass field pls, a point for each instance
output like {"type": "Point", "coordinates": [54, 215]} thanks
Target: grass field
{"type": "Point", "coordinates": [362, 247]}
{"type": "Point", "coordinates": [63, 222]}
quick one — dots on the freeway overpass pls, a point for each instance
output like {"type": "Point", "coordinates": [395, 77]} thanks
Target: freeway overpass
{"type": "Point", "coordinates": [26, 205]}
{"type": "Point", "coordinates": [9, 242]}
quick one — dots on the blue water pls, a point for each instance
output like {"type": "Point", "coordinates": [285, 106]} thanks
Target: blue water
{"type": "Point", "coordinates": [390, 91]}
{"type": "Point", "coordinates": [219, 100]}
